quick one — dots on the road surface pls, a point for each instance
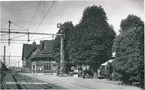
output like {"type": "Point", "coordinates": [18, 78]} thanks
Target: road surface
{"type": "Point", "coordinates": [79, 83]}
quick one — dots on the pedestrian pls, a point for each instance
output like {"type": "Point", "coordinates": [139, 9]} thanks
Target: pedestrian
{"type": "Point", "coordinates": [84, 73]}
{"type": "Point", "coordinates": [113, 78]}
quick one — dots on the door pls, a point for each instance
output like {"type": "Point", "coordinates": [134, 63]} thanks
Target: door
{"type": "Point", "coordinates": [33, 67]}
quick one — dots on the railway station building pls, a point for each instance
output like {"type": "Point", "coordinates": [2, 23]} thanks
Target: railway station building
{"type": "Point", "coordinates": [39, 59]}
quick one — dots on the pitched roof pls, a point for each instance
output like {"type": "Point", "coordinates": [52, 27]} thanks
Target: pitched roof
{"type": "Point", "coordinates": [109, 61]}
{"type": "Point", "coordinates": [48, 47]}
{"type": "Point", "coordinates": [45, 47]}
{"type": "Point", "coordinates": [27, 50]}
{"type": "Point", "coordinates": [41, 45]}
{"type": "Point", "coordinates": [42, 56]}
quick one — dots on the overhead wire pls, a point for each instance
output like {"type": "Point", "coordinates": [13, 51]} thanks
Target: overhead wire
{"type": "Point", "coordinates": [35, 14]}
{"type": "Point", "coordinates": [44, 16]}
{"type": "Point", "coordinates": [13, 40]}
{"type": "Point", "coordinates": [33, 19]}
{"type": "Point", "coordinates": [18, 36]}
{"type": "Point", "coordinates": [25, 22]}
{"type": "Point", "coordinates": [19, 26]}
{"type": "Point", "coordinates": [42, 38]}
{"type": "Point", "coordinates": [4, 23]}
{"type": "Point", "coordinates": [44, 6]}
{"type": "Point", "coordinates": [3, 34]}
{"type": "Point", "coordinates": [16, 42]}
{"type": "Point", "coordinates": [11, 29]}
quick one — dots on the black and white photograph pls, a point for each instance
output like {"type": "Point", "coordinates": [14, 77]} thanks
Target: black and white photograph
{"type": "Point", "coordinates": [72, 45]}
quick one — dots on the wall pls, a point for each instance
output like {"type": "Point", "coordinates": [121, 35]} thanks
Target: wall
{"type": "Point", "coordinates": [38, 67]}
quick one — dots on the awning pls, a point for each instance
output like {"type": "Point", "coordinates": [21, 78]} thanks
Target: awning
{"type": "Point", "coordinates": [109, 61]}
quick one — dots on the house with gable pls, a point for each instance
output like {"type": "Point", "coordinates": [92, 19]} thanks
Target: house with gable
{"type": "Point", "coordinates": [26, 51]}
{"type": "Point", "coordinates": [106, 68]}
{"type": "Point", "coordinates": [41, 59]}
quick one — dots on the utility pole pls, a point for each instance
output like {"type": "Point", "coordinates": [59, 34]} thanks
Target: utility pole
{"type": "Point", "coordinates": [4, 55]}
{"type": "Point", "coordinates": [28, 37]}
{"type": "Point", "coordinates": [9, 58]}
{"type": "Point", "coordinates": [61, 56]}
{"type": "Point", "coordinates": [9, 33]}
{"type": "Point", "coordinates": [61, 51]}
{"type": "Point", "coordinates": [19, 32]}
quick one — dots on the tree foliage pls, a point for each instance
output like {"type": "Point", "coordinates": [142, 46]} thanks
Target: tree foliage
{"type": "Point", "coordinates": [129, 49]}
{"type": "Point", "coordinates": [94, 38]}
{"type": "Point", "coordinates": [90, 41]}
{"type": "Point", "coordinates": [66, 28]}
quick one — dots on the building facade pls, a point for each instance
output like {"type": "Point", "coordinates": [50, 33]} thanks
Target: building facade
{"type": "Point", "coordinates": [106, 69]}
{"type": "Point", "coordinates": [41, 59]}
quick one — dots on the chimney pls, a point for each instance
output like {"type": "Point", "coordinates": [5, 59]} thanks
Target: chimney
{"type": "Point", "coordinates": [34, 44]}
{"type": "Point", "coordinates": [41, 45]}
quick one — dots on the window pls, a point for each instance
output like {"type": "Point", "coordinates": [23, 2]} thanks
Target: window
{"type": "Point", "coordinates": [24, 63]}
{"type": "Point", "coordinates": [47, 65]}
{"type": "Point", "coordinates": [33, 68]}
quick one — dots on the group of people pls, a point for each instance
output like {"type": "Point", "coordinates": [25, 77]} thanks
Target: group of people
{"type": "Point", "coordinates": [87, 73]}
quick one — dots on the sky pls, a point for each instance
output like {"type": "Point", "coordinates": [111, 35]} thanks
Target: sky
{"type": "Point", "coordinates": [22, 12]}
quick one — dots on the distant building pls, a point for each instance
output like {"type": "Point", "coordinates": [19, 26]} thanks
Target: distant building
{"type": "Point", "coordinates": [2, 66]}
{"type": "Point", "coordinates": [39, 58]}
{"type": "Point", "coordinates": [106, 69]}
{"type": "Point", "coordinates": [26, 52]}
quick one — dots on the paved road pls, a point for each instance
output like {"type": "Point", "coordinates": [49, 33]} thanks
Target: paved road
{"type": "Point", "coordinates": [79, 83]}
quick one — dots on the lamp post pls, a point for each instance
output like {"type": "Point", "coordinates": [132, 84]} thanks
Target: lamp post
{"type": "Point", "coordinates": [61, 50]}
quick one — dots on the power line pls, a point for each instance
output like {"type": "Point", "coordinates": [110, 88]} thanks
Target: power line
{"type": "Point", "coordinates": [33, 22]}
{"type": "Point", "coordinates": [35, 14]}
{"type": "Point", "coordinates": [11, 29]}
{"type": "Point", "coordinates": [3, 34]}
{"type": "Point", "coordinates": [25, 22]}
{"type": "Point", "coordinates": [42, 38]}
{"type": "Point", "coordinates": [19, 26]}
{"type": "Point", "coordinates": [13, 40]}
{"type": "Point", "coordinates": [16, 42]}
{"type": "Point", "coordinates": [45, 16]}
{"type": "Point", "coordinates": [4, 23]}
{"type": "Point", "coordinates": [44, 6]}
{"type": "Point", "coordinates": [30, 33]}
{"type": "Point", "coordinates": [10, 56]}
{"type": "Point", "coordinates": [17, 36]}
{"type": "Point", "coordinates": [24, 40]}
{"type": "Point", "coordinates": [27, 33]}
